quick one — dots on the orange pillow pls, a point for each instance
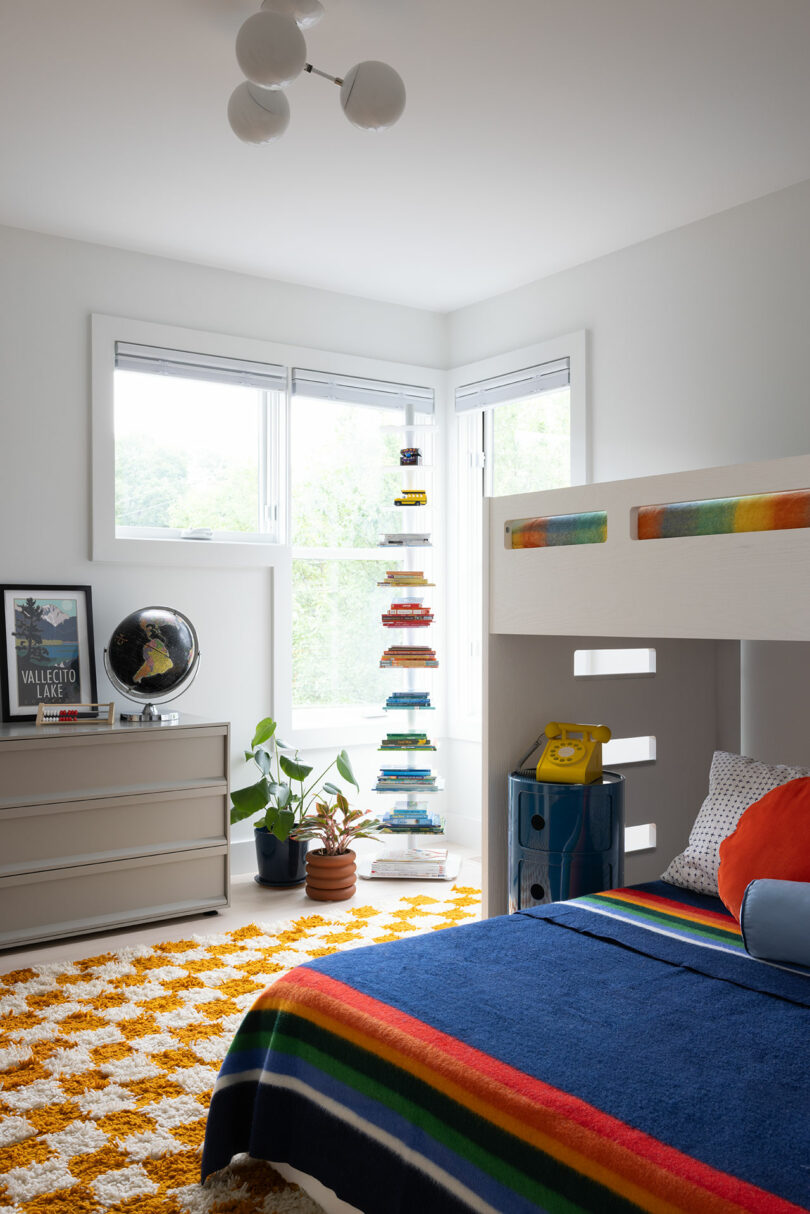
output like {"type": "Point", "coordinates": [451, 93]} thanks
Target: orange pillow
{"type": "Point", "coordinates": [772, 839]}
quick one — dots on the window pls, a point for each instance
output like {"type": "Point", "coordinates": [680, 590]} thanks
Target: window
{"type": "Point", "coordinates": [196, 442]}
{"type": "Point", "coordinates": [345, 441]}
{"type": "Point", "coordinates": [189, 445]}
{"type": "Point", "coordinates": [525, 419]}
{"type": "Point", "coordinates": [201, 434]}
{"type": "Point", "coordinates": [520, 428]}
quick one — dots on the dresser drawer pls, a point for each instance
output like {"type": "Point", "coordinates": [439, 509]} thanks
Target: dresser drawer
{"type": "Point", "coordinates": [68, 902]}
{"type": "Point", "coordinates": [67, 768]}
{"type": "Point", "coordinates": [64, 834]}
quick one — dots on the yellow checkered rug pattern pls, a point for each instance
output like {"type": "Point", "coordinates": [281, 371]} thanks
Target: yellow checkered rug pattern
{"type": "Point", "coordinates": [107, 1064]}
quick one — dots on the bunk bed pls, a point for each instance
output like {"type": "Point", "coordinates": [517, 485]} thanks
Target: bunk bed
{"type": "Point", "coordinates": [618, 1051]}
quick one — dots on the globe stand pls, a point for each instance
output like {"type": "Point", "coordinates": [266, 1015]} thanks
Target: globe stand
{"type": "Point", "coordinates": [150, 715]}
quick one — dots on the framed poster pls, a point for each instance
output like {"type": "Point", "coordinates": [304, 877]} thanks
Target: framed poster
{"type": "Point", "coordinates": [47, 657]}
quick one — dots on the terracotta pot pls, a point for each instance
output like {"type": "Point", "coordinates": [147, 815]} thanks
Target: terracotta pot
{"type": "Point", "coordinates": [330, 878]}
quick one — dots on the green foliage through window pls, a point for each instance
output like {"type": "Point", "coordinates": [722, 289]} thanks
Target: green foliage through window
{"type": "Point", "coordinates": [531, 444]}
{"type": "Point", "coordinates": [337, 635]}
{"type": "Point", "coordinates": [186, 453]}
{"type": "Point", "coordinates": [345, 475]}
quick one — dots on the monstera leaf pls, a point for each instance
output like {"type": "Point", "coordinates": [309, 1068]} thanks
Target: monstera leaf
{"type": "Point", "coordinates": [279, 822]}
{"type": "Point", "coordinates": [345, 768]}
{"type": "Point", "coordinates": [296, 771]}
{"type": "Point", "coordinates": [263, 760]}
{"type": "Point", "coordinates": [247, 801]}
{"type": "Point", "coordinates": [264, 731]}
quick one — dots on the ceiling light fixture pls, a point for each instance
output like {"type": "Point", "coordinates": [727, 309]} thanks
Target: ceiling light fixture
{"type": "Point", "coordinates": [272, 53]}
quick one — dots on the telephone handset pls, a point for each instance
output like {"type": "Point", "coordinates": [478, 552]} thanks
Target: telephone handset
{"type": "Point", "coordinates": [573, 753]}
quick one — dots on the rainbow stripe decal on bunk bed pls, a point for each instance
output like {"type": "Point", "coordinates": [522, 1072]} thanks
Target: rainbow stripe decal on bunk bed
{"type": "Point", "coordinates": [557, 530]}
{"type": "Point", "coordinates": [717, 516]}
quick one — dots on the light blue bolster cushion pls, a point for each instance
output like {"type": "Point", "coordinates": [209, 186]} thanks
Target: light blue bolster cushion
{"type": "Point", "coordinates": [775, 921]}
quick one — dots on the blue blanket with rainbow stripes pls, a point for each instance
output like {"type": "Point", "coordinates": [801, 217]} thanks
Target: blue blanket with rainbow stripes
{"type": "Point", "coordinates": [612, 1053]}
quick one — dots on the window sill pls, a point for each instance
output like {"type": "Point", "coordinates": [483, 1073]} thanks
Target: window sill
{"type": "Point", "coordinates": [319, 729]}
{"type": "Point", "coordinates": [205, 554]}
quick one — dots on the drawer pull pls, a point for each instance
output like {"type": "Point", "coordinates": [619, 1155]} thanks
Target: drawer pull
{"type": "Point", "coordinates": [537, 892]}
{"type": "Point", "coordinates": [538, 822]}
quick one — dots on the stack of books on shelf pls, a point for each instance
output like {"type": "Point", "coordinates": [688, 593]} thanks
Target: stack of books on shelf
{"type": "Point", "coordinates": [407, 613]}
{"type": "Point", "coordinates": [405, 539]}
{"type": "Point", "coordinates": [409, 656]}
{"type": "Point", "coordinates": [411, 818]}
{"type": "Point", "coordinates": [405, 577]}
{"type": "Point", "coordinates": [409, 457]}
{"type": "Point", "coordinates": [409, 740]}
{"type": "Point", "coordinates": [405, 779]}
{"type": "Point", "coordinates": [413, 862]}
{"type": "Point", "coordinates": [408, 700]}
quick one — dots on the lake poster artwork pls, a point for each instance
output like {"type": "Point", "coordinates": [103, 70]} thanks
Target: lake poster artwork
{"type": "Point", "coordinates": [48, 649]}
{"type": "Point", "coordinates": [46, 645]}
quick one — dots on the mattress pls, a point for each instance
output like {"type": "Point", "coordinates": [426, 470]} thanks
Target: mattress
{"type": "Point", "coordinates": [615, 1052]}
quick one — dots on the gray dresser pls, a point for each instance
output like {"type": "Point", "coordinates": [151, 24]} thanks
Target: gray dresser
{"type": "Point", "coordinates": [102, 826]}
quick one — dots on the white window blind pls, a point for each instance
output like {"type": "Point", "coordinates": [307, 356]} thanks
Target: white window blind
{"type": "Point", "coordinates": [353, 391]}
{"type": "Point", "coordinates": [517, 385]}
{"type": "Point", "coordinates": [185, 364]}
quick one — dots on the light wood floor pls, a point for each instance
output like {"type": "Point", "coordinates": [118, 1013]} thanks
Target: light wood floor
{"type": "Point", "coordinates": [250, 903]}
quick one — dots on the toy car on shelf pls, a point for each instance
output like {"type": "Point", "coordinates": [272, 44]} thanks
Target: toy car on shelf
{"type": "Point", "coordinates": [411, 497]}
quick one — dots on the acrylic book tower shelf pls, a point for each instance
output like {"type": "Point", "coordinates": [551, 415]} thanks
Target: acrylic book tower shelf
{"type": "Point", "coordinates": [406, 777]}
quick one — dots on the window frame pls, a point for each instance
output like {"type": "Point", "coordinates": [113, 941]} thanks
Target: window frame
{"type": "Point", "coordinates": [153, 545]}
{"type": "Point", "coordinates": [467, 473]}
{"type": "Point", "coordinates": [275, 558]}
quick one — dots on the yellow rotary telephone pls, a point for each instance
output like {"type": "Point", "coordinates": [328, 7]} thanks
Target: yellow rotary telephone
{"type": "Point", "coordinates": [573, 753]}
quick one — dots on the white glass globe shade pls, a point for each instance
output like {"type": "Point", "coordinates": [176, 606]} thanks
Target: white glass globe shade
{"type": "Point", "coordinates": [271, 50]}
{"type": "Point", "coordinates": [372, 95]}
{"type": "Point", "coordinates": [258, 115]}
{"type": "Point", "coordinates": [305, 13]}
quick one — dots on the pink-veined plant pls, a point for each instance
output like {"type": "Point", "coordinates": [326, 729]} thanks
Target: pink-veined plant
{"type": "Point", "coordinates": [336, 824]}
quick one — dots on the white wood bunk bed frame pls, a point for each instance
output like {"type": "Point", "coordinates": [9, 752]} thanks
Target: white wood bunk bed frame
{"type": "Point", "coordinates": [693, 599]}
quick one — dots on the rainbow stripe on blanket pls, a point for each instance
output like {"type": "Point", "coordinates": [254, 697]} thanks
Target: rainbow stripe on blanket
{"type": "Point", "coordinates": [479, 1127]}
{"type": "Point", "coordinates": [716, 929]}
{"type": "Point", "coordinates": [716, 516]}
{"type": "Point", "coordinates": [558, 530]}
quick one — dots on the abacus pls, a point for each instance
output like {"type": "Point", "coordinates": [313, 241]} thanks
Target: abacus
{"type": "Point", "coordinates": [92, 714]}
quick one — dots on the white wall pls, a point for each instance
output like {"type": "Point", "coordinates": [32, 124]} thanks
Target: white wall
{"type": "Point", "coordinates": [697, 339]}
{"type": "Point", "coordinates": [697, 357]}
{"type": "Point", "coordinates": [50, 287]}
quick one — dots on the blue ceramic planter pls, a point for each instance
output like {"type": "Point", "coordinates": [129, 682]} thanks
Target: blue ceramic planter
{"type": "Point", "coordinates": [280, 862]}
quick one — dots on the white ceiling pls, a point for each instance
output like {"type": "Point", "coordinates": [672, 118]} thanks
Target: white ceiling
{"type": "Point", "coordinates": [538, 134]}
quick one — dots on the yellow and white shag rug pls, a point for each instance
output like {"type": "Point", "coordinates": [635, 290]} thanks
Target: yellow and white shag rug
{"type": "Point", "coordinates": [107, 1064]}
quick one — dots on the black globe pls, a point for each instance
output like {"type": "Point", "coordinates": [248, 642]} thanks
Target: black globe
{"type": "Point", "coordinates": [152, 653]}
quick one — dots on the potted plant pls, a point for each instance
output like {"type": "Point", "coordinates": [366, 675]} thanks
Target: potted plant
{"type": "Point", "coordinates": [331, 868]}
{"type": "Point", "coordinates": [281, 798]}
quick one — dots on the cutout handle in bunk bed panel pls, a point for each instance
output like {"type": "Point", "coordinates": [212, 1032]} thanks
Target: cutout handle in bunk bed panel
{"type": "Point", "coordinates": [717, 516]}
{"type": "Point", "coordinates": [557, 530]}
